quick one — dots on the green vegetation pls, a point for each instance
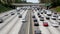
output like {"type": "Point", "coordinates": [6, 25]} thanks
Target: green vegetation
{"type": "Point", "coordinates": [55, 2]}
{"type": "Point", "coordinates": [57, 9]}
{"type": "Point", "coordinates": [3, 8]}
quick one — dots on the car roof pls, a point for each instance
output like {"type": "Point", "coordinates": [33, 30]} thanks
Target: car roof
{"type": "Point", "coordinates": [37, 31]}
{"type": "Point", "coordinates": [58, 16]}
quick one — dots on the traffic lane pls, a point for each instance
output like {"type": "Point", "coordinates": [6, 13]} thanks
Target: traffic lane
{"type": "Point", "coordinates": [5, 17]}
{"type": "Point", "coordinates": [58, 28]}
{"type": "Point", "coordinates": [15, 31]}
{"type": "Point", "coordinates": [44, 30]}
{"type": "Point", "coordinates": [8, 26]}
{"type": "Point", "coordinates": [7, 21]}
{"type": "Point", "coordinates": [8, 12]}
{"type": "Point", "coordinates": [55, 31]}
{"type": "Point", "coordinates": [16, 28]}
{"type": "Point", "coordinates": [41, 27]}
{"type": "Point", "coordinates": [24, 28]}
{"type": "Point", "coordinates": [51, 28]}
{"type": "Point", "coordinates": [51, 32]}
{"type": "Point", "coordinates": [24, 14]}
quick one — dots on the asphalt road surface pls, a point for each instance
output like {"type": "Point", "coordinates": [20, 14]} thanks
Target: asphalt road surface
{"type": "Point", "coordinates": [12, 24]}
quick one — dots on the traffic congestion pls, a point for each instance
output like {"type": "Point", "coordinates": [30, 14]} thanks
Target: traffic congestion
{"type": "Point", "coordinates": [44, 21]}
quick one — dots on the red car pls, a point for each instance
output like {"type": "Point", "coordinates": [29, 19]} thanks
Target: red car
{"type": "Point", "coordinates": [45, 24]}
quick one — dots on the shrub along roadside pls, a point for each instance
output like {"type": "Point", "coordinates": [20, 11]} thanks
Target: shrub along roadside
{"type": "Point", "coordinates": [3, 8]}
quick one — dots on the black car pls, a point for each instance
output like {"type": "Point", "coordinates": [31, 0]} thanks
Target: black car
{"type": "Point", "coordinates": [33, 16]}
{"type": "Point", "coordinates": [49, 14]}
{"type": "Point", "coordinates": [38, 14]}
{"type": "Point", "coordinates": [47, 18]}
{"type": "Point", "coordinates": [53, 18]}
{"type": "Point", "coordinates": [36, 24]}
{"type": "Point", "coordinates": [35, 20]}
{"type": "Point", "coordinates": [12, 13]}
{"type": "Point", "coordinates": [1, 20]}
{"type": "Point", "coordinates": [41, 12]}
{"type": "Point", "coordinates": [20, 16]}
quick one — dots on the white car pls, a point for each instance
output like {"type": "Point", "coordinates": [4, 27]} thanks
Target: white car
{"type": "Point", "coordinates": [55, 24]}
{"type": "Point", "coordinates": [48, 12]}
{"type": "Point", "coordinates": [24, 20]}
{"type": "Point", "coordinates": [43, 11]}
{"type": "Point", "coordinates": [58, 20]}
{"type": "Point", "coordinates": [53, 17]}
{"type": "Point", "coordinates": [18, 8]}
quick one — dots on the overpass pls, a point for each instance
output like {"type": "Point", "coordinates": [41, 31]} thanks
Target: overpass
{"type": "Point", "coordinates": [22, 4]}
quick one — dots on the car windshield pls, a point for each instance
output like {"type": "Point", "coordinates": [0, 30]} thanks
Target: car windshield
{"type": "Point", "coordinates": [42, 17]}
{"type": "Point", "coordinates": [53, 19]}
{"type": "Point", "coordinates": [58, 19]}
{"type": "Point", "coordinates": [35, 20]}
{"type": "Point", "coordinates": [33, 16]}
{"type": "Point", "coordinates": [55, 13]}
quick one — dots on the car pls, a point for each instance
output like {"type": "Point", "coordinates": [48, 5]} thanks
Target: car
{"type": "Point", "coordinates": [18, 13]}
{"type": "Point", "coordinates": [41, 18]}
{"type": "Point", "coordinates": [47, 18]}
{"type": "Point", "coordinates": [36, 24]}
{"type": "Point", "coordinates": [55, 24]}
{"type": "Point", "coordinates": [58, 20]}
{"type": "Point", "coordinates": [45, 24]}
{"type": "Point", "coordinates": [49, 13]}
{"type": "Point", "coordinates": [20, 16]}
{"type": "Point", "coordinates": [37, 31]}
{"type": "Point", "coordinates": [18, 8]}
{"type": "Point", "coordinates": [33, 16]}
{"type": "Point", "coordinates": [38, 8]}
{"type": "Point", "coordinates": [55, 13]}
{"type": "Point", "coordinates": [6, 15]}
{"type": "Point", "coordinates": [1, 20]}
{"type": "Point", "coordinates": [53, 18]}
{"type": "Point", "coordinates": [35, 20]}
{"type": "Point", "coordinates": [12, 13]}
{"type": "Point", "coordinates": [24, 21]}
{"type": "Point", "coordinates": [38, 14]}
{"type": "Point", "coordinates": [41, 12]}
{"type": "Point", "coordinates": [44, 11]}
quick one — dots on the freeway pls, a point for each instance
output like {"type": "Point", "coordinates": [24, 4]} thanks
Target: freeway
{"type": "Point", "coordinates": [12, 24]}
